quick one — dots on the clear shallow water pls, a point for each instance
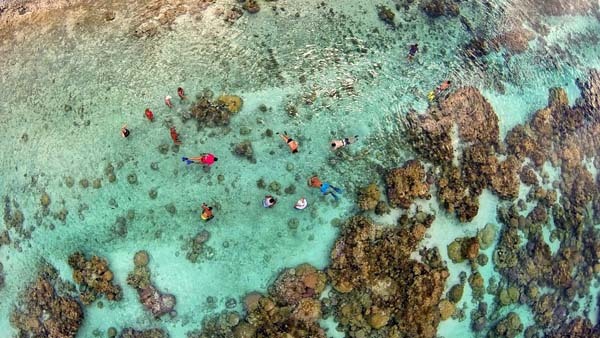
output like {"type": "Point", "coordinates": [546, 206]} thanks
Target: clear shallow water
{"type": "Point", "coordinates": [71, 79]}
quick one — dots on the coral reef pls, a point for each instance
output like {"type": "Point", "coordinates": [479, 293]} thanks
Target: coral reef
{"type": "Point", "coordinates": [94, 278]}
{"type": "Point", "coordinates": [516, 40]}
{"type": "Point", "coordinates": [294, 285]}
{"type": "Point", "coordinates": [197, 246]}
{"type": "Point", "coordinates": [382, 208]}
{"type": "Point", "coordinates": [244, 149]}
{"type": "Point", "coordinates": [13, 216]}
{"type": "Point", "coordinates": [160, 15]}
{"type": "Point", "coordinates": [150, 333]}
{"type": "Point", "coordinates": [565, 136]}
{"type": "Point", "coordinates": [510, 326]}
{"type": "Point", "coordinates": [156, 302]}
{"type": "Point", "coordinates": [214, 113]}
{"type": "Point", "coordinates": [368, 197]}
{"type": "Point", "coordinates": [233, 103]}
{"type": "Point", "coordinates": [437, 8]}
{"type": "Point", "coordinates": [462, 176]}
{"type": "Point", "coordinates": [291, 309]}
{"type": "Point", "coordinates": [486, 236]}
{"type": "Point", "coordinates": [576, 328]}
{"type": "Point", "coordinates": [406, 183]}
{"type": "Point", "coordinates": [386, 15]}
{"type": "Point", "coordinates": [251, 6]}
{"type": "Point", "coordinates": [379, 287]}
{"type": "Point", "coordinates": [42, 312]}
{"type": "Point", "coordinates": [463, 248]}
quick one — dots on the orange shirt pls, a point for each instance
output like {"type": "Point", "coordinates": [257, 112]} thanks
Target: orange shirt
{"type": "Point", "coordinates": [315, 182]}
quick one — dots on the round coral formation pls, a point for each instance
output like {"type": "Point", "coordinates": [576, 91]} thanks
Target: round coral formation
{"type": "Point", "coordinates": [141, 258]}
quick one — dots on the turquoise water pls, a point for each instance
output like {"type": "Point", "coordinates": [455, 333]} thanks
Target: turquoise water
{"type": "Point", "coordinates": [72, 75]}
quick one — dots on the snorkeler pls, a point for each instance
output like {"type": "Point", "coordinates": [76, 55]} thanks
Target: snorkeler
{"type": "Point", "coordinates": [149, 114]}
{"type": "Point", "coordinates": [124, 131]}
{"type": "Point", "coordinates": [412, 51]}
{"type": "Point", "coordinates": [301, 204]}
{"type": "Point", "coordinates": [168, 101]}
{"type": "Point", "coordinates": [181, 93]}
{"type": "Point", "coordinates": [293, 144]}
{"type": "Point", "coordinates": [174, 136]}
{"type": "Point", "coordinates": [324, 187]}
{"type": "Point", "coordinates": [206, 214]}
{"type": "Point", "coordinates": [337, 144]}
{"type": "Point", "coordinates": [443, 86]}
{"type": "Point", "coordinates": [438, 90]}
{"type": "Point", "coordinates": [205, 159]}
{"type": "Point", "coordinates": [269, 201]}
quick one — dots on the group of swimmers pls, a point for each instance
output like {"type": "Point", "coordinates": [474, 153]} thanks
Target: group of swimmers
{"type": "Point", "coordinates": [208, 159]}
{"type": "Point", "coordinates": [269, 201]}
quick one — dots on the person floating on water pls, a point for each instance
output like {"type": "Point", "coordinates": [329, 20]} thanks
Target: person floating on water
{"type": "Point", "coordinates": [413, 49]}
{"type": "Point", "coordinates": [337, 144]}
{"type": "Point", "coordinates": [205, 159]}
{"type": "Point", "coordinates": [174, 136]}
{"type": "Point", "coordinates": [325, 187]}
{"type": "Point", "coordinates": [301, 204]}
{"type": "Point", "coordinates": [293, 144]}
{"type": "Point", "coordinates": [168, 102]}
{"type": "Point", "coordinates": [181, 93]}
{"type": "Point", "coordinates": [207, 213]}
{"type": "Point", "coordinates": [438, 90]}
{"type": "Point", "coordinates": [124, 131]}
{"type": "Point", "coordinates": [443, 87]}
{"type": "Point", "coordinates": [149, 114]}
{"type": "Point", "coordinates": [269, 201]}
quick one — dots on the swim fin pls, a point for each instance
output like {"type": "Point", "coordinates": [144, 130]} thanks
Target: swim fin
{"type": "Point", "coordinates": [184, 159]}
{"type": "Point", "coordinates": [431, 95]}
{"type": "Point", "coordinates": [338, 190]}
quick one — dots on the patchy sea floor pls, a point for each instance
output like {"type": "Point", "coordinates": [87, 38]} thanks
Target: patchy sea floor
{"type": "Point", "coordinates": [71, 76]}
